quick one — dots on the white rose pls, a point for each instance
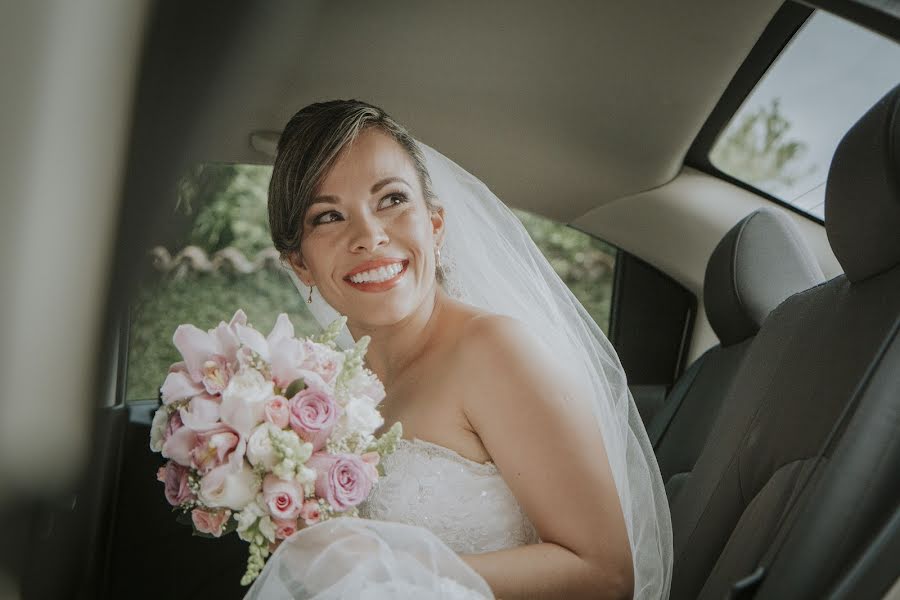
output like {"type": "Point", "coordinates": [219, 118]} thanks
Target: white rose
{"type": "Point", "coordinates": [365, 383]}
{"type": "Point", "coordinates": [361, 417]}
{"type": "Point", "coordinates": [229, 487]}
{"type": "Point", "coordinates": [158, 429]}
{"type": "Point", "coordinates": [244, 400]}
{"type": "Point", "coordinates": [259, 447]}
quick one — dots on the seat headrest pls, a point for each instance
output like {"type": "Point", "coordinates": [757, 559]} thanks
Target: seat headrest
{"type": "Point", "coordinates": [862, 195]}
{"type": "Point", "coordinates": [759, 263]}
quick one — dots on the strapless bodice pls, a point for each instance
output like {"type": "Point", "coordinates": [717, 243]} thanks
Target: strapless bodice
{"type": "Point", "coordinates": [465, 503]}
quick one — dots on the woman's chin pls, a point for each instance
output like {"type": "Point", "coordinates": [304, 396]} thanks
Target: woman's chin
{"type": "Point", "coordinates": [379, 313]}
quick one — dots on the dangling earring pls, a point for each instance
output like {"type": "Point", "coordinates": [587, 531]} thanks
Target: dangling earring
{"type": "Point", "coordinates": [309, 300]}
{"type": "Point", "coordinates": [437, 259]}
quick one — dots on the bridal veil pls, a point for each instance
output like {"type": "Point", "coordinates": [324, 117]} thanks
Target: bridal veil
{"type": "Point", "coordinates": [491, 262]}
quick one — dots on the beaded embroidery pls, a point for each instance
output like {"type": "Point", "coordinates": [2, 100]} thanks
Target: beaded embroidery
{"type": "Point", "coordinates": [465, 503]}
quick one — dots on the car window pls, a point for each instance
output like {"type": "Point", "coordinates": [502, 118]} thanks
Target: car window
{"type": "Point", "coordinates": [782, 139]}
{"type": "Point", "coordinates": [224, 260]}
{"type": "Point", "coordinates": [586, 264]}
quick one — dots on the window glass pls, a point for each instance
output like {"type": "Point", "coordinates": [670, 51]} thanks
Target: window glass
{"type": "Point", "coordinates": [224, 260]}
{"type": "Point", "coordinates": [783, 137]}
{"type": "Point", "coordinates": [584, 263]}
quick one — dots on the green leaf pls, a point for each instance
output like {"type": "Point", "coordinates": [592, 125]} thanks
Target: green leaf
{"type": "Point", "coordinates": [183, 517]}
{"type": "Point", "coordinates": [295, 387]}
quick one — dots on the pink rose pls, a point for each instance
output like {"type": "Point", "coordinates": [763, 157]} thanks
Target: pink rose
{"type": "Point", "coordinates": [310, 513]}
{"type": "Point", "coordinates": [284, 528]}
{"type": "Point", "coordinates": [210, 522]}
{"type": "Point", "coordinates": [313, 414]}
{"type": "Point", "coordinates": [214, 448]}
{"type": "Point", "coordinates": [278, 412]}
{"type": "Point", "coordinates": [343, 480]}
{"type": "Point", "coordinates": [322, 360]}
{"type": "Point", "coordinates": [175, 477]}
{"type": "Point", "coordinates": [282, 498]}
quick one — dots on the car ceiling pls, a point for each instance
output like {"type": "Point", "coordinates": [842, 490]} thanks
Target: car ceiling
{"type": "Point", "coordinates": [559, 107]}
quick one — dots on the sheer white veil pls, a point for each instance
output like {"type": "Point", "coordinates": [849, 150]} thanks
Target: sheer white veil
{"type": "Point", "coordinates": [491, 262]}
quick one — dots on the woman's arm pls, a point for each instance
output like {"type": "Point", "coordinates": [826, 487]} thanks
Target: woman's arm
{"type": "Point", "coordinates": [538, 427]}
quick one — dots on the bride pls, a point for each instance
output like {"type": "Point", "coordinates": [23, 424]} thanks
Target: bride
{"type": "Point", "coordinates": [525, 470]}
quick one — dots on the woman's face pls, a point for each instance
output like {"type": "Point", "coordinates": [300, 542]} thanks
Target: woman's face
{"type": "Point", "coordinates": [368, 237]}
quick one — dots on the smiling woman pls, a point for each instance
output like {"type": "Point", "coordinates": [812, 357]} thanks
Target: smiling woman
{"type": "Point", "coordinates": [354, 227]}
{"type": "Point", "coordinates": [366, 228]}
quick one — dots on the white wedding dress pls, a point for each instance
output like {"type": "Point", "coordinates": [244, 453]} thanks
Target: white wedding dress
{"type": "Point", "coordinates": [389, 553]}
{"type": "Point", "coordinates": [464, 503]}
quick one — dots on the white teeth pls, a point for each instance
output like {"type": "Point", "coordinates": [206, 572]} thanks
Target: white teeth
{"type": "Point", "coordinates": [377, 275]}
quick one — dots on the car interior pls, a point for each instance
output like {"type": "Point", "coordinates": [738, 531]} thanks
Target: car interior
{"type": "Point", "coordinates": [754, 297]}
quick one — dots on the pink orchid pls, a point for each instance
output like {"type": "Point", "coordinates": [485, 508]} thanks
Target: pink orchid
{"type": "Point", "coordinates": [178, 385]}
{"type": "Point", "coordinates": [178, 441]}
{"type": "Point", "coordinates": [280, 349]}
{"type": "Point", "coordinates": [201, 413]}
{"type": "Point", "coordinates": [216, 447]}
{"type": "Point", "coordinates": [208, 359]}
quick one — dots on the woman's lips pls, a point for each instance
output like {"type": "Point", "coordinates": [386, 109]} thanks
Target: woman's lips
{"type": "Point", "coordinates": [380, 286]}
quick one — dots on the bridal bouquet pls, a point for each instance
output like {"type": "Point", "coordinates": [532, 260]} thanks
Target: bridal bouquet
{"type": "Point", "coordinates": [264, 435]}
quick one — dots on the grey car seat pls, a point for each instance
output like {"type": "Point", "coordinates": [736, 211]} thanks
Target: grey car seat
{"type": "Point", "coordinates": [821, 373]}
{"type": "Point", "coordinates": [759, 263]}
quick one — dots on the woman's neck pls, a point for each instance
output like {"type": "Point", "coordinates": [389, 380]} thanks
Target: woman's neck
{"type": "Point", "coordinates": [393, 349]}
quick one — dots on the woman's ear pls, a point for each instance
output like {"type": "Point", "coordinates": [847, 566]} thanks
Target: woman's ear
{"type": "Point", "coordinates": [437, 225]}
{"type": "Point", "coordinates": [299, 267]}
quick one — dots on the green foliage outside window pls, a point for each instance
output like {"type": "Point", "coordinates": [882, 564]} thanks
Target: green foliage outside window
{"type": "Point", "coordinates": [758, 150]}
{"type": "Point", "coordinates": [224, 207]}
{"type": "Point", "coordinates": [584, 263]}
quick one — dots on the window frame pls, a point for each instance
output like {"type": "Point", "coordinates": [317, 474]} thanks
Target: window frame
{"type": "Point", "coordinates": [788, 20]}
{"type": "Point", "coordinates": [880, 18]}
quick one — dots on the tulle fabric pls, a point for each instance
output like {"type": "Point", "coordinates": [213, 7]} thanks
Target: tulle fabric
{"type": "Point", "coordinates": [358, 559]}
{"type": "Point", "coordinates": [492, 263]}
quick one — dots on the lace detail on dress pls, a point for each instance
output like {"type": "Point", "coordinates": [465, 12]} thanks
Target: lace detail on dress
{"type": "Point", "coordinates": [465, 503]}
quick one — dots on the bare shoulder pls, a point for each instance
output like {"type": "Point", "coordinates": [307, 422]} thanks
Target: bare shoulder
{"type": "Point", "coordinates": [502, 356]}
{"type": "Point", "coordinates": [498, 340]}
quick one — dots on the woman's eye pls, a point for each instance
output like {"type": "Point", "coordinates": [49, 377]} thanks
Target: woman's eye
{"type": "Point", "coordinates": [327, 217]}
{"type": "Point", "coordinates": [393, 200]}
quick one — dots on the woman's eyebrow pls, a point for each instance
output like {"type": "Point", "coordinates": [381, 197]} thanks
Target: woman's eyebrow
{"type": "Point", "coordinates": [383, 182]}
{"type": "Point", "coordinates": [324, 200]}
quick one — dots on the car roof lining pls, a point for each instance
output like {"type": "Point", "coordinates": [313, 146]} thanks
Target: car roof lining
{"type": "Point", "coordinates": [550, 101]}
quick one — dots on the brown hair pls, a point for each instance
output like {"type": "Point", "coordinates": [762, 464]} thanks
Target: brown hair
{"type": "Point", "coordinates": [307, 149]}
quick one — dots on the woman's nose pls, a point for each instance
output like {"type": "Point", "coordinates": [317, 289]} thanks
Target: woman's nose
{"type": "Point", "coordinates": [366, 234]}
